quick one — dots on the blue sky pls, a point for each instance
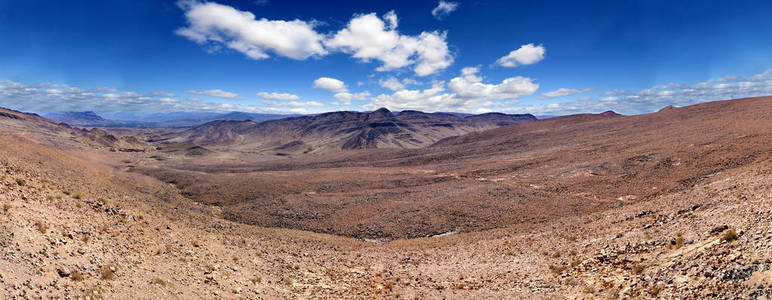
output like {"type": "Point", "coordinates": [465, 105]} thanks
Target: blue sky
{"type": "Point", "coordinates": [541, 57]}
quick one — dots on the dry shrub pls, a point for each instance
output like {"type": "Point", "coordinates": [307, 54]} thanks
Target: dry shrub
{"type": "Point", "coordinates": [108, 272]}
{"type": "Point", "coordinates": [41, 227]}
{"type": "Point", "coordinates": [77, 276]}
{"type": "Point", "coordinates": [21, 181]}
{"type": "Point", "coordinates": [159, 281]}
{"type": "Point", "coordinates": [558, 269]}
{"type": "Point", "coordinates": [638, 269]}
{"type": "Point", "coordinates": [679, 240]}
{"type": "Point", "coordinates": [729, 236]}
{"type": "Point", "coordinates": [588, 289]}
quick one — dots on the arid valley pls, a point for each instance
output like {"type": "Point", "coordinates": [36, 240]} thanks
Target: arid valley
{"type": "Point", "coordinates": [668, 204]}
{"type": "Point", "coordinates": [442, 149]}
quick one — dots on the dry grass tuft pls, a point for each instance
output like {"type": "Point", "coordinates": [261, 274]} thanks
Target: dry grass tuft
{"type": "Point", "coordinates": [159, 281]}
{"type": "Point", "coordinates": [41, 227]}
{"type": "Point", "coordinates": [21, 181]}
{"type": "Point", "coordinates": [77, 276]}
{"type": "Point", "coordinates": [729, 236]}
{"type": "Point", "coordinates": [108, 272]}
{"type": "Point", "coordinates": [679, 240]}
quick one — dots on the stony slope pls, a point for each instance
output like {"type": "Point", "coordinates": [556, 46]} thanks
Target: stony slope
{"type": "Point", "coordinates": [339, 130]}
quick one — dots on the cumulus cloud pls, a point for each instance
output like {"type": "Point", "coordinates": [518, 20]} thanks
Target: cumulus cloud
{"type": "Point", "coordinates": [443, 9]}
{"type": "Point", "coordinates": [368, 37]}
{"type": "Point", "coordinates": [467, 94]}
{"type": "Point", "coordinates": [214, 93]}
{"type": "Point", "coordinates": [525, 55]}
{"type": "Point", "coordinates": [562, 92]}
{"type": "Point", "coordinates": [277, 96]}
{"type": "Point", "coordinates": [220, 25]}
{"type": "Point", "coordinates": [330, 84]}
{"type": "Point", "coordinates": [469, 85]}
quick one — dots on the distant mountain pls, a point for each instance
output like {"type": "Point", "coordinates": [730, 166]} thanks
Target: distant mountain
{"type": "Point", "coordinates": [79, 118]}
{"type": "Point", "coordinates": [27, 122]}
{"type": "Point", "coordinates": [165, 119]}
{"type": "Point", "coordinates": [340, 130]}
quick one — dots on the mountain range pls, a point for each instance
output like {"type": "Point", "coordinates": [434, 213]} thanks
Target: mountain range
{"type": "Point", "coordinates": [340, 130]}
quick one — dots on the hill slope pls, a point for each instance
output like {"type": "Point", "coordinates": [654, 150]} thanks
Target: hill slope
{"type": "Point", "coordinates": [340, 130]}
{"type": "Point", "coordinates": [71, 227]}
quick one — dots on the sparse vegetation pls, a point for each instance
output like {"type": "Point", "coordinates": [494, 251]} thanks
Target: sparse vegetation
{"type": "Point", "coordinates": [41, 227]}
{"type": "Point", "coordinates": [78, 195]}
{"type": "Point", "coordinates": [159, 281]}
{"type": "Point", "coordinates": [679, 240]}
{"type": "Point", "coordinates": [21, 181]}
{"type": "Point", "coordinates": [558, 269]}
{"type": "Point", "coordinates": [107, 272]}
{"type": "Point", "coordinates": [77, 276]}
{"type": "Point", "coordinates": [638, 269]}
{"type": "Point", "coordinates": [588, 289]}
{"type": "Point", "coordinates": [729, 236]}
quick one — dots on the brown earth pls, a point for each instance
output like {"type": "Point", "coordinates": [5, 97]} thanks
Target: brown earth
{"type": "Point", "coordinates": [523, 173]}
{"type": "Point", "coordinates": [335, 131]}
{"type": "Point", "coordinates": [573, 205]}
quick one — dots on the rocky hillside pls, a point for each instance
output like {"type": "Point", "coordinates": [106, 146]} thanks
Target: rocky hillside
{"type": "Point", "coordinates": [51, 132]}
{"type": "Point", "coordinates": [340, 130]}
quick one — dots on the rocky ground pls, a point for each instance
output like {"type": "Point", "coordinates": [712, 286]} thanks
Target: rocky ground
{"type": "Point", "coordinates": [678, 213]}
{"type": "Point", "coordinates": [74, 229]}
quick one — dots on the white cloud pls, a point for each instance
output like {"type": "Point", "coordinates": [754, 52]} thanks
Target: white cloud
{"type": "Point", "coordinates": [525, 55]}
{"type": "Point", "coordinates": [467, 94]}
{"type": "Point", "coordinates": [160, 94]}
{"type": "Point", "coordinates": [728, 79]}
{"type": "Point", "coordinates": [368, 37]}
{"type": "Point", "coordinates": [470, 86]}
{"type": "Point", "coordinates": [330, 84]}
{"type": "Point", "coordinates": [220, 25]}
{"type": "Point", "coordinates": [652, 99]}
{"type": "Point", "coordinates": [277, 96]}
{"type": "Point", "coordinates": [292, 103]}
{"type": "Point", "coordinates": [42, 99]}
{"type": "Point", "coordinates": [561, 92]}
{"type": "Point", "coordinates": [214, 93]}
{"type": "Point", "coordinates": [346, 98]}
{"type": "Point", "coordinates": [443, 9]}
{"type": "Point", "coordinates": [391, 83]}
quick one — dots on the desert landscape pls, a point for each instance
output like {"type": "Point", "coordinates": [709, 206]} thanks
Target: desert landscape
{"type": "Point", "coordinates": [444, 149]}
{"type": "Point", "coordinates": [546, 208]}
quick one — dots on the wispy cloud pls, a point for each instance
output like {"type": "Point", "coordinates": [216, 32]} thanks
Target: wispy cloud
{"type": "Point", "coordinates": [443, 9]}
{"type": "Point", "coordinates": [214, 93]}
{"type": "Point", "coordinates": [42, 98]}
{"type": "Point", "coordinates": [654, 98]}
{"type": "Point", "coordinates": [562, 92]}
{"type": "Point", "coordinates": [278, 96]}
